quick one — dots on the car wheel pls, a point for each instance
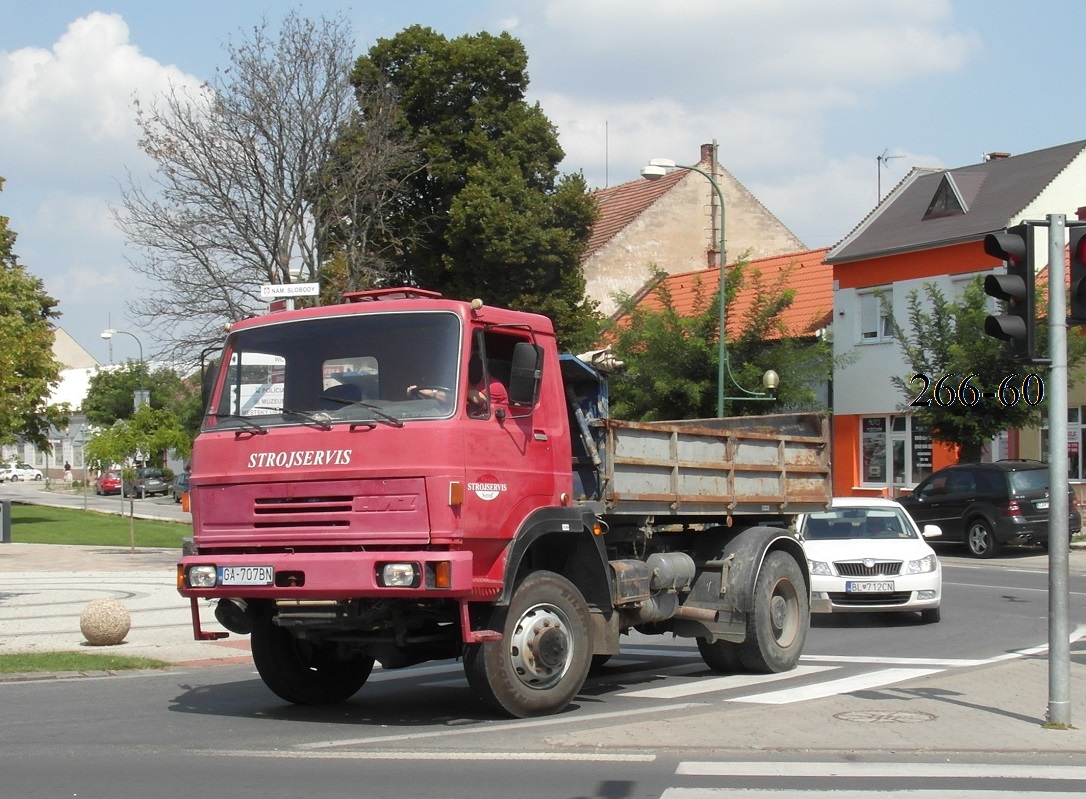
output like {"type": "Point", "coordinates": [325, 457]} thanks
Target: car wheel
{"type": "Point", "coordinates": [930, 616]}
{"type": "Point", "coordinates": [980, 539]}
{"type": "Point", "coordinates": [15, 478]}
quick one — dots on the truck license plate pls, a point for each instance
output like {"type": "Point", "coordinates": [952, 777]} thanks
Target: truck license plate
{"type": "Point", "coordinates": [246, 575]}
{"type": "Point", "coordinates": [868, 588]}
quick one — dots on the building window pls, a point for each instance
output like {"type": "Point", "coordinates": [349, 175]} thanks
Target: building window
{"type": "Point", "coordinates": [875, 322]}
{"type": "Point", "coordinates": [1074, 443]}
{"type": "Point", "coordinates": [895, 451]}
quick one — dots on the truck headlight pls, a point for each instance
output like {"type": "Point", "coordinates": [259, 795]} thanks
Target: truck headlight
{"type": "Point", "coordinates": [203, 576]}
{"type": "Point", "coordinates": [398, 575]}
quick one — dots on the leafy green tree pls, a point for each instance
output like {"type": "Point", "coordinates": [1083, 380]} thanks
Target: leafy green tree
{"type": "Point", "coordinates": [489, 216]}
{"type": "Point", "coordinates": [28, 370]}
{"type": "Point", "coordinates": [672, 359]}
{"type": "Point", "coordinates": [945, 341]}
{"type": "Point", "coordinates": [110, 395]}
{"type": "Point", "coordinates": [149, 432]}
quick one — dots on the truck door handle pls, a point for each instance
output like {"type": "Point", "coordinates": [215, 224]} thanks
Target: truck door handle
{"type": "Point", "coordinates": [539, 435]}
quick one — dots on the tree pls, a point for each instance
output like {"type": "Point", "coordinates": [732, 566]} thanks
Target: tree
{"type": "Point", "coordinates": [672, 359]}
{"type": "Point", "coordinates": [945, 342]}
{"type": "Point", "coordinates": [110, 395]}
{"type": "Point", "coordinates": [234, 203]}
{"type": "Point", "coordinates": [489, 216]}
{"type": "Point", "coordinates": [28, 370]}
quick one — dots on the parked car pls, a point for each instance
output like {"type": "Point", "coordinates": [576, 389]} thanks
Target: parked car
{"type": "Point", "coordinates": [148, 483]}
{"type": "Point", "coordinates": [867, 555]}
{"type": "Point", "coordinates": [19, 471]}
{"type": "Point", "coordinates": [988, 505]}
{"type": "Point", "coordinates": [180, 485]}
{"type": "Point", "coordinates": [108, 482]}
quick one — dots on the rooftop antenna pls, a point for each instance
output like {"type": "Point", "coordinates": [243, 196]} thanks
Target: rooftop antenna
{"type": "Point", "coordinates": [882, 159]}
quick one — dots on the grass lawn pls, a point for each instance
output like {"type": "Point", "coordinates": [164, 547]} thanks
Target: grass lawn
{"type": "Point", "coordinates": [27, 662]}
{"type": "Point", "coordinates": [39, 524]}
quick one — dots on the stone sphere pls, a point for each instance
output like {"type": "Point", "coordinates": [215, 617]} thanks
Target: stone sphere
{"type": "Point", "coordinates": [105, 622]}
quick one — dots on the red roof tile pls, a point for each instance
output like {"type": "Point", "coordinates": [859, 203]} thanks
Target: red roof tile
{"type": "Point", "coordinates": [811, 277]}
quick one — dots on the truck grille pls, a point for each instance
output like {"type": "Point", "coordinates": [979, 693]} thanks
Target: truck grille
{"type": "Point", "coordinates": [301, 512]}
{"type": "Point", "coordinates": [858, 568]}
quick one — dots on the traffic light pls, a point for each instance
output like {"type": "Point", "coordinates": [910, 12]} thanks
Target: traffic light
{"type": "Point", "coordinates": [1077, 295]}
{"type": "Point", "coordinates": [1017, 324]}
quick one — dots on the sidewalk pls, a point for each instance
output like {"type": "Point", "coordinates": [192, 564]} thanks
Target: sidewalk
{"type": "Point", "coordinates": [45, 587]}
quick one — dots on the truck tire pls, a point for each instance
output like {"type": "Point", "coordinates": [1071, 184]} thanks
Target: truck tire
{"type": "Point", "coordinates": [778, 623]}
{"type": "Point", "coordinates": [545, 652]}
{"type": "Point", "coordinates": [722, 656]}
{"type": "Point", "coordinates": [301, 672]}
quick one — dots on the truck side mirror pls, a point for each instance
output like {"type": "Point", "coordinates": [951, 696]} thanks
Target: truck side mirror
{"type": "Point", "coordinates": [526, 374]}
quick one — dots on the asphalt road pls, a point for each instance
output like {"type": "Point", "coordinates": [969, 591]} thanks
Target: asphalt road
{"type": "Point", "coordinates": [653, 723]}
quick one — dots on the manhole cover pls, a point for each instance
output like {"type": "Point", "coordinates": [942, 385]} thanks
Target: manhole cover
{"type": "Point", "coordinates": [884, 716]}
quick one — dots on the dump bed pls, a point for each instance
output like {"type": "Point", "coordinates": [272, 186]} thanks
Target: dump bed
{"type": "Point", "coordinates": [750, 465]}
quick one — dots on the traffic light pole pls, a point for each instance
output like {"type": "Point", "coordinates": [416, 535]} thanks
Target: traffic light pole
{"type": "Point", "coordinates": [1059, 643]}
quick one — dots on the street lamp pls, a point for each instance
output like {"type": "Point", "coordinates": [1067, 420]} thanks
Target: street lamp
{"type": "Point", "coordinates": [141, 396]}
{"type": "Point", "coordinates": [657, 168]}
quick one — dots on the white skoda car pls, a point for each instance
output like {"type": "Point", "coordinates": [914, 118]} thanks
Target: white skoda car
{"type": "Point", "coordinates": [867, 555]}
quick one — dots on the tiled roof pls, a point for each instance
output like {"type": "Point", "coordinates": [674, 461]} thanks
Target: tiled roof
{"type": "Point", "coordinates": [994, 194]}
{"type": "Point", "coordinates": [811, 277]}
{"type": "Point", "coordinates": [620, 205]}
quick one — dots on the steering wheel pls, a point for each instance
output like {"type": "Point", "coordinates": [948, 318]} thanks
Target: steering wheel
{"type": "Point", "coordinates": [434, 389]}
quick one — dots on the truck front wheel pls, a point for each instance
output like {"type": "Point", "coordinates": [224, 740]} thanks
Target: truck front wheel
{"type": "Point", "coordinates": [545, 652]}
{"type": "Point", "coordinates": [778, 623]}
{"type": "Point", "coordinates": [302, 672]}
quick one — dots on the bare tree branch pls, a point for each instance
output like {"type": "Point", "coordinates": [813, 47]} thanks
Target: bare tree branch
{"type": "Point", "coordinates": [233, 202]}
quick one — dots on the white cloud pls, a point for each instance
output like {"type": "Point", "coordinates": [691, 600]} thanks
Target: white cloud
{"type": "Point", "coordinates": [68, 137]}
{"type": "Point", "coordinates": [68, 111]}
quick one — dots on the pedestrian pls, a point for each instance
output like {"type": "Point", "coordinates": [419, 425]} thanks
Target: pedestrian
{"type": "Point", "coordinates": [67, 472]}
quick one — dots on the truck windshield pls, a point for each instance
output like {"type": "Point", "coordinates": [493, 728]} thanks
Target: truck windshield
{"type": "Point", "coordinates": [359, 368]}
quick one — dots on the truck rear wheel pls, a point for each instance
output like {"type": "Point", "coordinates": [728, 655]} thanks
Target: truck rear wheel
{"type": "Point", "coordinates": [545, 652]}
{"type": "Point", "coordinates": [302, 672]}
{"type": "Point", "coordinates": [722, 656]}
{"type": "Point", "coordinates": [778, 623]}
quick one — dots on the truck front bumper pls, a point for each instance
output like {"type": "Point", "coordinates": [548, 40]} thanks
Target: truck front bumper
{"type": "Point", "coordinates": [326, 575]}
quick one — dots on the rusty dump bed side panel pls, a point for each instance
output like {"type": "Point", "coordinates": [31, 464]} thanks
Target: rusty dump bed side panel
{"type": "Point", "coordinates": [749, 465]}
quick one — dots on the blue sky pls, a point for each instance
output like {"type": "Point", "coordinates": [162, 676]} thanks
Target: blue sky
{"type": "Point", "coordinates": [802, 96]}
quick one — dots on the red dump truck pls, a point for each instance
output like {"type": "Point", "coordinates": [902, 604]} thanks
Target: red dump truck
{"type": "Point", "coordinates": [402, 478]}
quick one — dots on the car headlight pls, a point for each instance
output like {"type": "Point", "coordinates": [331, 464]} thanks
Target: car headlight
{"type": "Point", "coordinates": [922, 566]}
{"type": "Point", "coordinates": [820, 567]}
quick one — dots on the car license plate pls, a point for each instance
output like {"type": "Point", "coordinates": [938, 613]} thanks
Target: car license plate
{"type": "Point", "coordinates": [1041, 504]}
{"type": "Point", "coordinates": [868, 588]}
{"type": "Point", "coordinates": [246, 575]}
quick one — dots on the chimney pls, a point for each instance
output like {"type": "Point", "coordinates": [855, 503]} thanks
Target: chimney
{"type": "Point", "coordinates": [996, 156]}
{"type": "Point", "coordinates": [706, 154]}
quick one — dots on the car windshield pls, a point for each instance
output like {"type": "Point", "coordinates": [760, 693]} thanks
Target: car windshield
{"type": "Point", "coordinates": [361, 368]}
{"type": "Point", "coordinates": [847, 523]}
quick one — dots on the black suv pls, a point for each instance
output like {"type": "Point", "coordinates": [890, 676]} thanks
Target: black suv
{"type": "Point", "coordinates": [987, 505]}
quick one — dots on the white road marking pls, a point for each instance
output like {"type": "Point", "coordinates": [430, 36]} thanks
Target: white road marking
{"type": "Point", "coordinates": [705, 686]}
{"type": "Point", "coordinates": [860, 682]}
{"type": "Point", "coordinates": [857, 769]}
{"type": "Point", "coordinates": [792, 793]}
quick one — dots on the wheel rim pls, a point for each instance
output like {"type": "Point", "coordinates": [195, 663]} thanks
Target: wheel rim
{"type": "Point", "coordinates": [540, 646]}
{"type": "Point", "coordinates": [978, 539]}
{"type": "Point", "coordinates": [784, 613]}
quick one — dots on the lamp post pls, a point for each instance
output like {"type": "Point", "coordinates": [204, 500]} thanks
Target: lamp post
{"type": "Point", "coordinates": [141, 394]}
{"type": "Point", "coordinates": [657, 168]}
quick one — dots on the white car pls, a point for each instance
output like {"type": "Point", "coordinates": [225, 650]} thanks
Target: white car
{"type": "Point", "coordinates": [867, 555]}
{"type": "Point", "coordinates": [18, 471]}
